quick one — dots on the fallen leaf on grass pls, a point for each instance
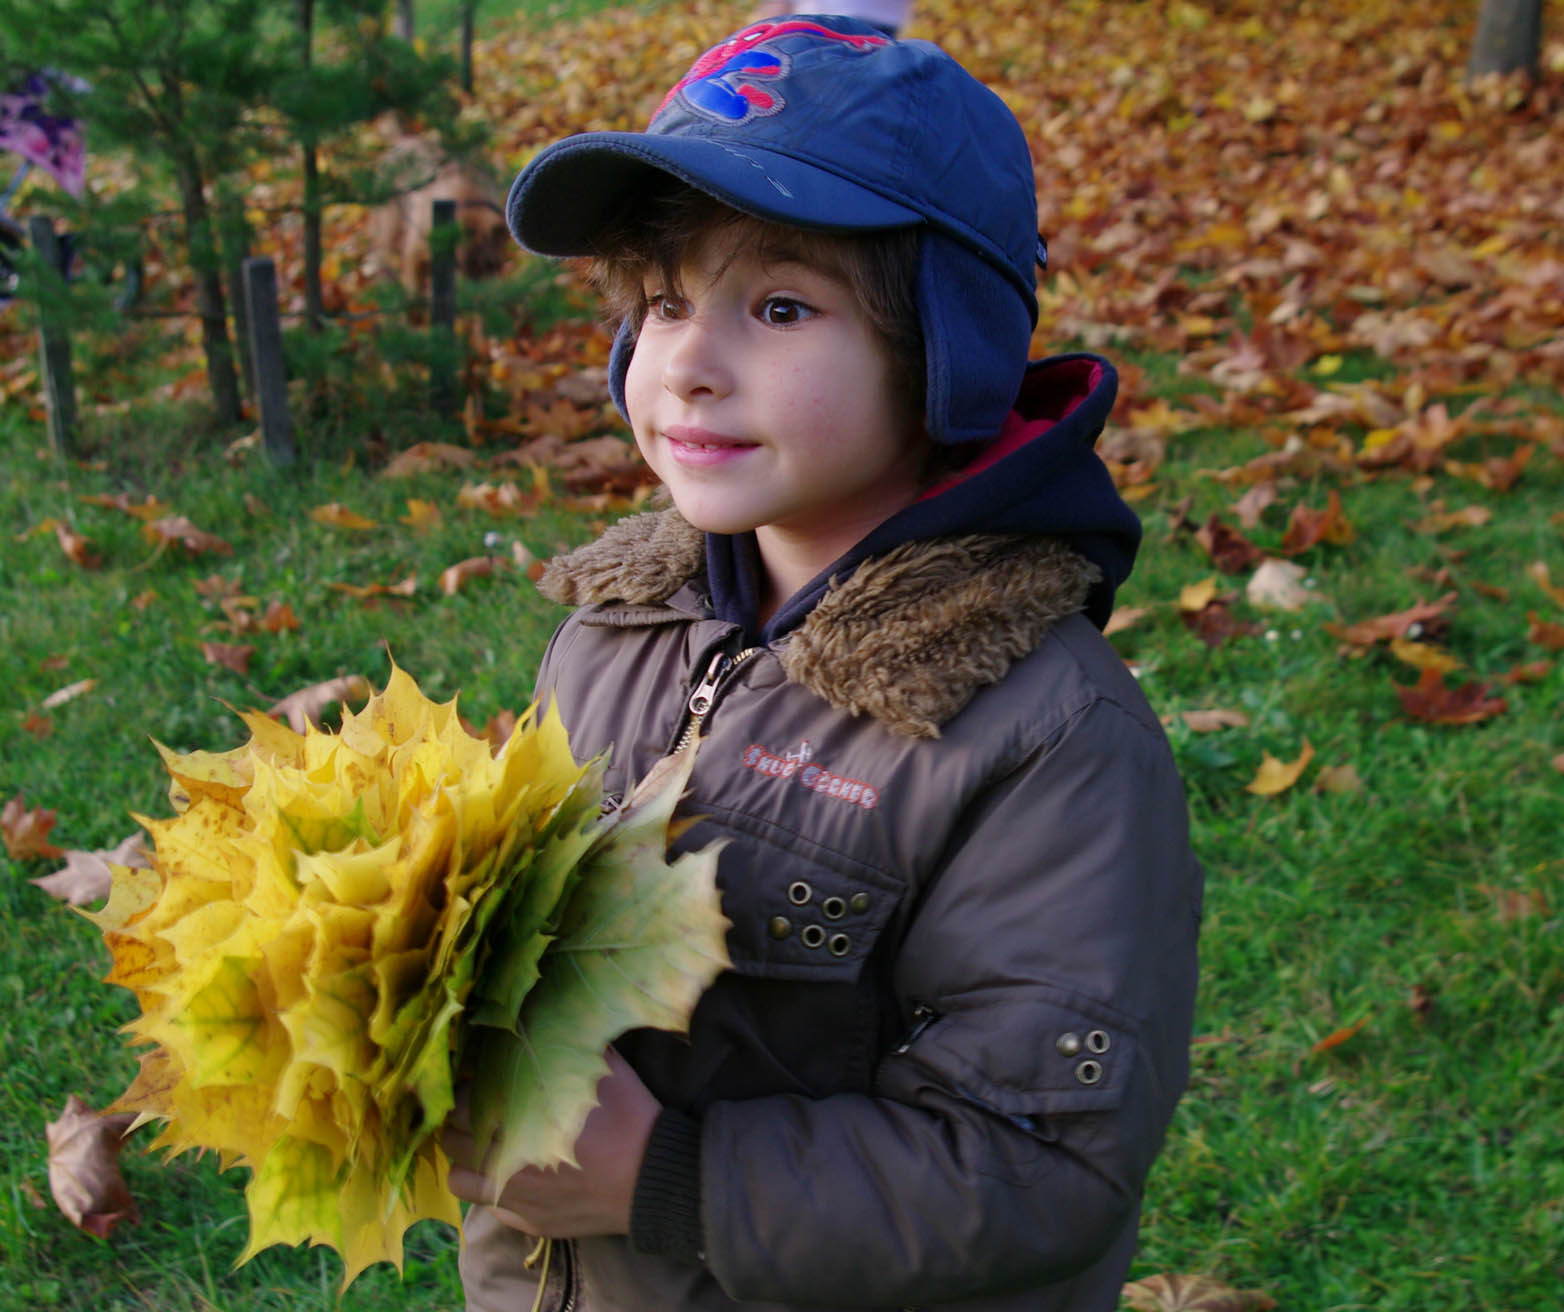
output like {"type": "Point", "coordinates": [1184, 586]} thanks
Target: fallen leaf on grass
{"type": "Point", "coordinates": [26, 833]}
{"type": "Point", "coordinates": [337, 515]}
{"type": "Point", "coordinates": [421, 515]}
{"type": "Point", "coordinates": [305, 707]}
{"type": "Point", "coordinates": [1210, 721]}
{"type": "Point", "coordinates": [149, 509]}
{"type": "Point", "coordinates": [1425, 620]}
{"type": "Point", "coordinates": [217, 586]}
{"type": "Point", "coordinates": [1337, 1037]}
{"type": "Point", "coordinates": [85, 876]}
{"type": "Point", "coordinates": [230, 655]}
{"type": "Point", "coordinates": [500, 499]}
{"type": "Point", "coordinates": [40, 726]}
{"type": "Point", "coordinates": [1431, 701]}
{"type": "Point", "coordinates": [1216, 623]}
{"type": "Point", "coordinates": [1252, 505]}
{"type": "Point", "coordinates": [279, 616]}
{"type": "Point", "coordinates": [1537, 571]}
{"type": "Point", "coordinates": [78, 548]}
{"type": "Point", "coordinates": [1530, 672]}
{"type": "Point", "coordinates": [177, 530]}
{"type": "Point", "coordinates": [363, 591]}
{"type": "Point", "coordinates": [1544, 633]}
{"type": "Point", "coordinates": [1424, 655]}
{"type": "Point", "coordinates": [84, 1174]}
{"type": "Point", "coordinates": [1278, 585]}
{"type": "Point", "coordinates": [1230, 551]}
{"type": "Point", "coordinates": [143, 599]}
{"type": "Point", "coordinates": [1511, 904]}
{"type": "Point", "coordinates": [1309, 527]}
{"type": "Point", "coordinates": [255, 507]}
{"type": "Point", "coordinates": [1558, 762]}
{"type": "Point", "coordinates": [1338, 779]}
{"type": "Point", "coordinates": [1275, 776]}
{"type": "Point", "coordinates": [1498, 474]}
{"type": "Point", "coordinates": [1171, 1293]}
{"type": "Point", "coordinates": [454, 576]}
{"type": "Point", "coordinates": [1125, 617]}
{"type": "Point", "coordinates": [1195, 597]}
{"type": "Point", "coordinates": [423, 457]}
{"type": "Point", "coordinates": [1440, 520]}
{"type": "Point", "coordinates": [69, 693]}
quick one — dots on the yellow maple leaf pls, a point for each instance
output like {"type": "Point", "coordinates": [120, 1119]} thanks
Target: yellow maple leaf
{"type": "Point", "coordinates": [339, 516]}
{"type": "Point", "coordinates": [1276, 776]}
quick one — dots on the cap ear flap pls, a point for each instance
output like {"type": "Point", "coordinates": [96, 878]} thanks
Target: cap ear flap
{"type": "Point", "coordinates": [619, 365]}
{"type": "Point", "coordinates": [977, 330]}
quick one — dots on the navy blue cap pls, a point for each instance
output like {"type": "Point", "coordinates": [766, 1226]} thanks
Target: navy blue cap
{"type": "Point", "coordinates": [825, 123]}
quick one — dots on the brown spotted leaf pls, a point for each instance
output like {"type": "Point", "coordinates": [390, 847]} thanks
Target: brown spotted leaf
{"type": "Point", "coordinates": [1432, 701]}
{"type": "Point", "coordinates": [1175, 1293]}
{"type": "Point", "coordinates": [86, 876]}
{"type": "Point", "coordinates": [84, 1174]}
{"type": "Point", "coordinates": [25, 831]}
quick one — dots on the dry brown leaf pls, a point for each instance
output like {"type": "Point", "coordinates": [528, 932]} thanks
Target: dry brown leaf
{"type": "Point", "coordinates": [1537, 572]}
{"type": "Point", "coordinates": [1210, 721]}
{"type": "Point", "coordinates": [1195, 597]}
{"type": "Point", "coordinates": [216, 587]}
{"type": "Point", "coordinates": [501, 499]}
{"type": "Point", "coordinates": [78, 548]}
{"type": "Point", "coordinates": [1440, 520]}
{"type": "Point", "coordinates": [84, 1174]}
{"type": "Point", "coordinates": [40, 726]}
{"type": "Point", "coordinates": [1175, 1293]}
{"type": "Point", "coordinates": [1558, 762]}
{"type": "Point", "coordinates": [145, 510]}
{"type": "Point", "coordinates": [1253, 504]}
{"type": "Point", "coordinates": [1278, 585]}
{"type": "Point", "coordinates": [1216, 623]}
{"type": "Point", "coordinates": [143, 599]}
{"type": "Point", "coordinates": [423, 457]}
{"type": "Point", "coordinates": [255, 507]}
{"type": "Point", "coordinates": [86, 876]}
{"type": "Point", "coordinates": [1309, 527]}
{"type": "Point", "coordinates": [1125, 617]}
{"type": "Point", "coordinates": [177, 530]}
{"type": "Point", "coordinates": [1230, 551]}
{"type": "Point", "coordinates": [279, 616]}
{"type": "Point", "coordinates": [230, 655]}
{"type": "Point", "coordinates": [337, 515]}
{"type": "Point", "coordinates": [1510, 904]}
{"type": "Point", "coordinates": [1336, 1038]}
{"type": "Point", "coordinates": [406, 588]}
{"type": "Point", "coordinates": [1426, 620]}
{"type": "Point", "coordinates": [26, 832]}
{"type": "Point", "coordinates": [1529, 672]}
{"type": "Point", "coordinates": [305, 707]}
{"type": "Point", "coordinates": [1276, 776]}
{"type": "Point", "coordinates": [1338, 779]}
{"type": "Point", "coordinates": [69, 693]}
{"type": "Point", "coordinates": [421, 515]}
{"type": "Point", "coordinates": [1432, 702]}
{"type": "Point", "coordinates": [1544, 633]}
{"type": "Point", "coordinates": [454, 576]}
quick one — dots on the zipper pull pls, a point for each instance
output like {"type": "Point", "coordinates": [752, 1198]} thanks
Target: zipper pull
{"type": "Point", "coordinates": [923, 1016]}
{"type": "Point", "coordinates": [706, 690]}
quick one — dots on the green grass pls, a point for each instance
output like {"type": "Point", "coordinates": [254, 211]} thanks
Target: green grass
{"type": "Point", "coordinates": [1414, 1165]}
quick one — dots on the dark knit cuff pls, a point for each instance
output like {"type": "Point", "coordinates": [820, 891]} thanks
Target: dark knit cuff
{"type": "Point", "coordinates": [665, 1214]}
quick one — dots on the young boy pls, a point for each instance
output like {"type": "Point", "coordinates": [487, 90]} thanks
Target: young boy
{"type": "Point", "coordinates": [963, 903]}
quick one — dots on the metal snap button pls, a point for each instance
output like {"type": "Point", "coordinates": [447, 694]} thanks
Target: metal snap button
{"type": "Point", "coordinates": [1089, 1071]}
{"type": "Point", "coordinates": [859, 903]}
{"type": "Point", "coordinates": [811, 936]}
{"type": "Point", "coordinates": [840, 945]}
{"type": "Point", "coordinates": [1068, 1044]}
{"type": "Point", "coordinates": [834, 908]}
{"type": "Point", "coordinates": [779, 927]}
{"type": "Point", "coordinates": [1098, 1041]}
{"type": "Point", "coordinates": [799, 893]}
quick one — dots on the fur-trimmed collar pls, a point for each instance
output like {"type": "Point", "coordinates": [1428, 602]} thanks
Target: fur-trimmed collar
{"type": "Point", "coordinates": [908, 638]}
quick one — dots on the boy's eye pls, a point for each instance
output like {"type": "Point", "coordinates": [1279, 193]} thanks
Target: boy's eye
{"type": "Point", "coordinates": [664, 305]}
{"type": "Point", "coordinates": [783, 310]}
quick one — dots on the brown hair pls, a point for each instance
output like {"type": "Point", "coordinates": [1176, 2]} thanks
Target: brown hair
{"type": "Point", "coordinates": [669, 224]}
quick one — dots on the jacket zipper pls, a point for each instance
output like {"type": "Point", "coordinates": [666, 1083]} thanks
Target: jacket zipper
{"type": "Point", "coordinates": [705, 695]}
{"type": "Point", "coordinates": [923, 1016]}
{"type": "Point", "coordinates": [567, 1253]}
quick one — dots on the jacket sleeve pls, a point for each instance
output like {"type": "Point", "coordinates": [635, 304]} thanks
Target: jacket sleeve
{"type": "Point", "coordinates": [1052, 967]}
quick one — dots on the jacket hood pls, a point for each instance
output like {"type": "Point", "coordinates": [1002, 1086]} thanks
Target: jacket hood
{"type": "Point", "coordinates": [907, 637]}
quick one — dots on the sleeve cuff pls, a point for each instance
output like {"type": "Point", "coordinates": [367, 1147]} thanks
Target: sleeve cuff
{"type": "Point", "coordinates": [665, 1214]}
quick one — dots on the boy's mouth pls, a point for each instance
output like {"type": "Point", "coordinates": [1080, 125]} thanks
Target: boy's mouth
{"type": "Point", "coordinates": [701, 446]}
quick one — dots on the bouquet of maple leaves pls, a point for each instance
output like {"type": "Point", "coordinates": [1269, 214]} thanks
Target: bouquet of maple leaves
{"type": "Point", "coordinates": [336, 927]}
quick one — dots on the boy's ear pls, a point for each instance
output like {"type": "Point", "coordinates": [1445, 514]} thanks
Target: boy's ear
{"type": "Point", "coordinates": [619, 365]}
{"type": "Point", "coordinates": [977, 330]}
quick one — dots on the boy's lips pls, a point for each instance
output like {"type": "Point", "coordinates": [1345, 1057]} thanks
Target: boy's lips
{"type": "Point", "coordinates": [700, 446]}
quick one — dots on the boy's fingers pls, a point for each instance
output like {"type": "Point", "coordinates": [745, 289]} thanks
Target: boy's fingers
{"type": "Point", "coordinates": [469, 1185]}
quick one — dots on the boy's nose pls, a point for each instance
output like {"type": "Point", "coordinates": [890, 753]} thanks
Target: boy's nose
{"type": "Point", "coordinates": [696, 364]}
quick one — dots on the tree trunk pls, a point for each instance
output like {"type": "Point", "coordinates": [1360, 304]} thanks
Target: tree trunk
{"type": "Point", "coordinates": [1509, 38]}
{"type": "Point", "coordinates": [314, 297]}
{"type": "Point", "coordinates": [469, 8]}
{"type": "Point", "coordinates": [404, 20]}
{"type": "Point", "coordinates": [210, 303]}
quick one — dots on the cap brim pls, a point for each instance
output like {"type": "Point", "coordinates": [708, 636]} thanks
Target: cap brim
{"type": "Point", "coordinates": [567, 196]}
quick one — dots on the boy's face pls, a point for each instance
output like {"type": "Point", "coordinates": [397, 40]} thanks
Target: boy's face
{"type": "Point", "coordinates": [762, 397]}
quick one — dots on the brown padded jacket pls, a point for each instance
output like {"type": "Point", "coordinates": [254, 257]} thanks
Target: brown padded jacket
{"type": "Point", "coordinates": [964, 914]}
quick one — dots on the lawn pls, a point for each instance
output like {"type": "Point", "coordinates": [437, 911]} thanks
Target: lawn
{"type": "Point", "coordinates": [1372, 1120]}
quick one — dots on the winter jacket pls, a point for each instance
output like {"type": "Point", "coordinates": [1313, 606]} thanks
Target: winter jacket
{"type": "Point", "coordinates": [964, 912]}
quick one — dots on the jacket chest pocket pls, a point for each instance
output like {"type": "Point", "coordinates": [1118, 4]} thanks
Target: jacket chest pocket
{"type": "Point", "coordinates": [807, 1007]}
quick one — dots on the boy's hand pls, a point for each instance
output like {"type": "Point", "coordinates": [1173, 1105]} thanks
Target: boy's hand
{"type": "Point", "coordinates": [566, 1202]}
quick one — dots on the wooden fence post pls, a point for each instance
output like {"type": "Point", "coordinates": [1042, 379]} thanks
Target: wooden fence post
{"type": "Point", "coordinates": [271, 381]}
{"type": "Point", "coordinates": [442, 306]}
{"type": "Point", "coordinates": [54, 353]}
{"type": "Point", "coordinates": [236, 245]}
